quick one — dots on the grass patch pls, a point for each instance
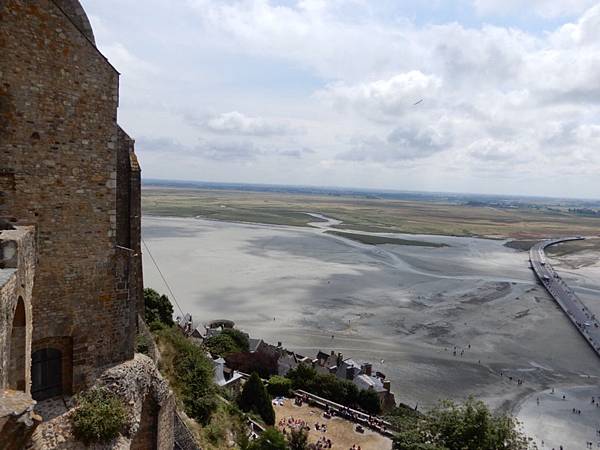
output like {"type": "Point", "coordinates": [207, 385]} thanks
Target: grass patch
{"type": "Point", "coordinates": [189, 372]}
{"type": "Point", "coordinates": [226, 425]}
{"type": "Point", "coordinates": [572, 247]}
{"type": "Point", "coordinates": [378, 240]}
{"type": "Point", "coordinates": [368, 214]}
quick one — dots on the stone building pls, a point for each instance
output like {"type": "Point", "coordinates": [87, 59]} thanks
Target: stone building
{"type": "Point", "coordinates": [70, 257]}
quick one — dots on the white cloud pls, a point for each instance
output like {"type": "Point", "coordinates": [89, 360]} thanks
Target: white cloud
{"type": "Point", "coordinates": [336, 82]}
{"type": "Point", "coordinates": [392, 96]}
{"type": "Point", "coordinates": [544, 8]}
{"type": "Point", "coordinates": [237, 123]}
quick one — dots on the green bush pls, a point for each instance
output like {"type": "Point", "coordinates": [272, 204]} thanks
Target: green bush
{"type": "Point", "coordinates": [339, 391]}
{"type": "Point", "coordinates": [254, 397]}
{"type": "Point", "coordinates": [158, 308]}
{"type": "Point", "coordinates": [369, 401]}
{"type": "Point", "coordinates": [141, 344]}
{"type": "Point", "coordinates": [191, 375]}
{"type": "Point", "coordinates": [239, 337]}
{"type": "Point", "coordinates": [298, 439]}
{"type": "Point", "coordinates": [99, 417]}
{"type": "Point", "coordinates": [279, 386]}
{"type": "Point", "coordinates": [157, 326]}
{"type": "Point", "coordinates": [270, 439]}
{"type": "Point", "coordinates": [227, 342]}
{"type": "Point", "coordinates": [221, 345]}
{"type": "Point", "coordinates": [327, 386]}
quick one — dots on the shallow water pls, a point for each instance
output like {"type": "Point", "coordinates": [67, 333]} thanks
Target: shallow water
{"type": "Point", "coordinates": [403, 308]}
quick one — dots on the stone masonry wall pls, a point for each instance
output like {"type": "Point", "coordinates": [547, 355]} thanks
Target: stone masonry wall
{"type": "Point", "coordinates": [58, 166]}
{"type": "Point", "coordinates": [128, 220]}
{"type": "Point", "coordinates": [73, 9]}
{"type": "Point", "coordinates": [17, 252]}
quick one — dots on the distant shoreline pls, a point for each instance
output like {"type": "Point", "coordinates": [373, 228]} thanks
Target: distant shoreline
{"type": "Point", "coordinates": [354, 191]}
{"type": "Point", "coordinates": [368, 214]}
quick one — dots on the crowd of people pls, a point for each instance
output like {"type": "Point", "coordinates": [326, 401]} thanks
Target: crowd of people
{"type": "Point", "coordinates": [292, 424]}
{"type": "Point", "coordinates": [374, 423]}
{"type": "Point", "coordinates": [301, 425]}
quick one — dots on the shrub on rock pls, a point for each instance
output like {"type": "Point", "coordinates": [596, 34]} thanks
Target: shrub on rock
{"type": "Point", "coordinates": [99, 417]}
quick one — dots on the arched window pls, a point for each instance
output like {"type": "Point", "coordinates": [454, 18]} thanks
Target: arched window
{"type": "Point", "coordinates": [46, 373]}
{"type": "Point", "coordinates": [18, 355]}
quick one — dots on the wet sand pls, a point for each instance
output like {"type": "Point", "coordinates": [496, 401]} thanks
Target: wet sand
{"type": "Point", "coordinates": [551, 421]}
{"type": "Point", "coordinates": [403, 308]}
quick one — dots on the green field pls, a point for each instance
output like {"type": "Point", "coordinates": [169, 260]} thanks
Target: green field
{"type": "Point", "coordinates": [378, 240]}
{"type": "Point", "coordinates": [568, 248]}
{"type": "Point", "coordinates": [370, 215]}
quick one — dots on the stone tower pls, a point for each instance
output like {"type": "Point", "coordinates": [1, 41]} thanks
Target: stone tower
{"type": "Point", "coordinates": [69, 172]}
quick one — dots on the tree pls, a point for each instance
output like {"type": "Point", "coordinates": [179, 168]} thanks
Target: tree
{"type": "Point", "coordinates": [221, 345]}
{"type": "Point", "coordinates": [298, 439]}
{"type": "Point", "coordinates": [255, 398]}
{"type": "Point", "coordinates": [468, 426]}
{"type": "Point", "coordinates": [239, 337]}
{"type": "Point", "coordinates": [334, 389]}
{"type": "Point", "coordinates": [279, 386]}
{"type": "Point", "coordinates": [270, 439]}
{"type": "Point", "coordinates": [471, 426]}
{"type": "Point", "coordinates": [368, 400]}
{"type": "Point", "coordinates": [302, 377]}
{"type": "Point", "coordinates": [158, 308]}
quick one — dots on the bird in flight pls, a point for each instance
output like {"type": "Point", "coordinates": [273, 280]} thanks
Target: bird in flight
{"type": "Point", "coordinates": [420, 101]}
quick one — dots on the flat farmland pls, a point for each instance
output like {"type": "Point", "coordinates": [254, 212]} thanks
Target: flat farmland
{"type": "Point", "coordinates": [368, 214]}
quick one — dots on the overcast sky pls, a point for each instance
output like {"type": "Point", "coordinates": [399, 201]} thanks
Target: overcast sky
{"type": "Point", "coordinates": [324, 92]}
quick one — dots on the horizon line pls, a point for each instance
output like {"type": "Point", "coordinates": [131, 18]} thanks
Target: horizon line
{"type": "Point", "coordinates": [364, 189]}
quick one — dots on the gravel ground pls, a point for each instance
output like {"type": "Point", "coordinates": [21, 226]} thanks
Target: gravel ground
{"type": "Point", "coordinates": [341, 432]}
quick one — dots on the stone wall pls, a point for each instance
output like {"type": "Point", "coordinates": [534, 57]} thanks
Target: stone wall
{"type": "Point", "coordinates": [73, 10]}
{"type": "Point", "coordinates": [69, 173]}
{"type": "Point", "coordinates": [129, 220]}
{"type": "Point", "coordinates": [59, 163]}
{"type": "Point", "coordinates": [17, 268]}
{"type": "Point", "coordinates": [17, 263]}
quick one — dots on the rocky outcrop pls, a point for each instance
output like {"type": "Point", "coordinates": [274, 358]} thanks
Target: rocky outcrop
{"type": "Point", "coordinates": [149, 403]}
{"type": "Point", "coordinates": [17, 419]}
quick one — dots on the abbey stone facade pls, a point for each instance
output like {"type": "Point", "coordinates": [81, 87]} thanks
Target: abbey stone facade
{"type": "Point", "coordinates": [70, 257]}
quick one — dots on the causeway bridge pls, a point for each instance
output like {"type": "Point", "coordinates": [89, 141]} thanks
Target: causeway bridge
{"type": "Point", "coordinates": [583, 319]}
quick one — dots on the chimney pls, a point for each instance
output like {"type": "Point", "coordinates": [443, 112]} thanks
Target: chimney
{"type": "Point", "coordinates": [367, 369]}
{"type": "Point", "coordinates": [387, 385]}
{"type": "Point", "coordinates": [350, 373]}
{"type": "Point", "coordinates": [279, 344]}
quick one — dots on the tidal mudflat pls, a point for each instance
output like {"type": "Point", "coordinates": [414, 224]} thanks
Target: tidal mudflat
{"type": "Point", "coordinates": [446, 322]}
